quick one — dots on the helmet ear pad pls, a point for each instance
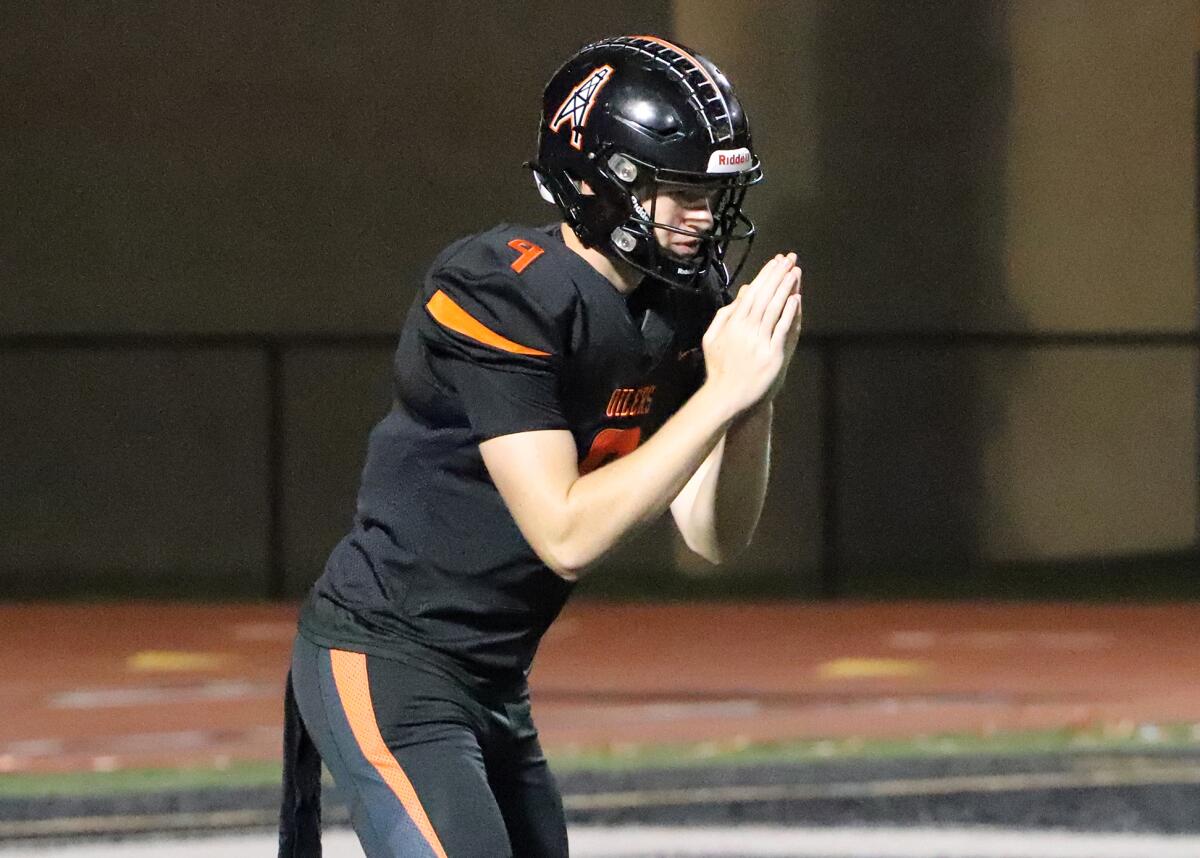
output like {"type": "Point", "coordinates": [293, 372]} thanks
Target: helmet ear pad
{"type": "Point", "coordinates": [595, 203]}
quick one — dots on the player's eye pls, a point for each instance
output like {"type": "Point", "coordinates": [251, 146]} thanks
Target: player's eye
{"type": "Point", "coordinates": [694, 198]}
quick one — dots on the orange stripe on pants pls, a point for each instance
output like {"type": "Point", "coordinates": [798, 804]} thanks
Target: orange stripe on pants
{"type": "Point", "coordinates": [350, 677]}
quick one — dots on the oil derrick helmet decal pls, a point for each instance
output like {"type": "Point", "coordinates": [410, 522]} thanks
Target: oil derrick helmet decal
{"type": "Point", "coordinates": [578, 104]}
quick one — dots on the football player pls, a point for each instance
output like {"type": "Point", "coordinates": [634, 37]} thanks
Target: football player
{"type": "Point", "coordinates": [556, 388]}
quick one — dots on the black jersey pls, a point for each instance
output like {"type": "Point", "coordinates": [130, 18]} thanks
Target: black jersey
{"type": "Point", "coordinates": [511, 332]}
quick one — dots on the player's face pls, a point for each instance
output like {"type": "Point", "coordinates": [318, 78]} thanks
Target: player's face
{"type": "Point", "coordinates": [683, 208]}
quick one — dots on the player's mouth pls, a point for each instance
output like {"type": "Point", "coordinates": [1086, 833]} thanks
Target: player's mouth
{"type": "Point", "coordinates": [685, 246]}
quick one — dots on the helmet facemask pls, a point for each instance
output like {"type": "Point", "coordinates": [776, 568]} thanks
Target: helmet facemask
{"type": "Point", "coordinates": [612, 218]}
{"type": "Point", "coordinates": [636, 241]}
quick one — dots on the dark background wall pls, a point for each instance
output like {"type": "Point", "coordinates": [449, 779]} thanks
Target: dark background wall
{"type": "Point", "coordinates": [244, 168]}
{"type": "Point", "coordinates": [263, 167]}
{"type": "Point", "coordinates": [269, 172]}
{"type": "Point", "coordinates": [1026, 169]}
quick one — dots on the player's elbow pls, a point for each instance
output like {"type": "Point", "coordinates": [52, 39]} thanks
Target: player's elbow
{"type": "Point", "coordinates": [710, 537]}
{"type": "Point", "coordinates": [717, 552]}
{"type": "Point", "coordinates": [565, 560]}
{"type": "Point", "coordinates": [566, 549]}
{"type": "Point", "coordinates": [705, 548]}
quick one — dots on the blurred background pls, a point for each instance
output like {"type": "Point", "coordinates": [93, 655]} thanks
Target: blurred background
{"type": "Point", "coordinates": [215, 216]}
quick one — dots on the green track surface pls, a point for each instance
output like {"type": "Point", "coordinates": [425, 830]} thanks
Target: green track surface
{"type": "Point", "coordinates": [626, 757]}
{"type": "Point", "coordinates": [1130, 737]}
{"type": "Point", "coordinates": [138, 780]}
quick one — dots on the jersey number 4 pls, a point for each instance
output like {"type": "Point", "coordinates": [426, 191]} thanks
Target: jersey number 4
{"type": "Point", "coordinates": [610, 444]}
{"type": "Point", "coordinates": [528, 250]}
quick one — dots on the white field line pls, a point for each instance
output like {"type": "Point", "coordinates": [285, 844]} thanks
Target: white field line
{"type": "Point", "coordinates": [875, 843]}
{"type": "Point", "coordinates": [750, 842]}
{"type": "Point", "coordinates": [115, 824]}
{"type": "Point", "coordinates": [1100, 777]}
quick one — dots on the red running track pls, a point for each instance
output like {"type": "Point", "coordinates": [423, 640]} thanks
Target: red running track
{"type": "Point", "coordinates": [108, 686]}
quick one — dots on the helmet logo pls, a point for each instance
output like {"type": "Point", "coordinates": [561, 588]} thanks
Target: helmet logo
{"type": "Point", "coordinates": [730, 161]}
{"type": "Point", "coordinates": [576, 107]}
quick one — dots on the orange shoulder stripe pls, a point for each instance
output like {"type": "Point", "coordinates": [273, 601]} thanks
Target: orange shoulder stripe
{"type": "Point", "coordinates": [442, 307]}
{"type": "Point", "coordinates": [350, 677]}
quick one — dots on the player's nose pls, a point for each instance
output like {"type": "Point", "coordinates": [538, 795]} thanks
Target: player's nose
{"type": "Point", "coordinates": [698, 213]}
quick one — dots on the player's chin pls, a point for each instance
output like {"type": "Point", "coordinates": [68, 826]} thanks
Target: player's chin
{"type": "Point", "coordinates": [684, 250]}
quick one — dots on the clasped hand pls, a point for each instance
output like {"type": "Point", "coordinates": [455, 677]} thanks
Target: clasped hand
{"type": "Point", "coordinates": [750, 342]}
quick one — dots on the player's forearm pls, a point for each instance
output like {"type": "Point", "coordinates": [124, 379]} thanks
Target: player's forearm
{"type": "Point", "coordinates": [729, 501]}
{"type": "Point", "coordinates": [609, 504]}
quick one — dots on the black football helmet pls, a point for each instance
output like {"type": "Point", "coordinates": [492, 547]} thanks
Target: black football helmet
{"type": "Point", "coordinates": [635, 115]}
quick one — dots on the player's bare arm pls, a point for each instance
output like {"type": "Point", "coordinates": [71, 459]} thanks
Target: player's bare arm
{"type": "Point", "coordinates": [718, 509]}
{"type": "Point", "coordinates": [571, 521]}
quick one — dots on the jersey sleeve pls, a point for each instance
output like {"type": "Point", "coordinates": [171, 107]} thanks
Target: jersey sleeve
{"type": "Point", "coordinates": [498, 348]}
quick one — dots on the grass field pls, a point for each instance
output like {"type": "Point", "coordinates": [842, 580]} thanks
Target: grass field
{"type": "Point", "coordinates": [1183, 737]}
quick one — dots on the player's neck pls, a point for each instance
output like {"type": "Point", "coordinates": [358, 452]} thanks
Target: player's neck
{"type": "Point", "coordinates": [624, 277]}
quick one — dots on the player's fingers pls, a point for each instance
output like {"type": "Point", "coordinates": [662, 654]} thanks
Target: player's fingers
{"type": "Point", "coordinates": [741, 301]}
{"type": "Point", "coordinates": [766, 307]}
{"type": "Point", "coordinates": [764, 295]}
{"type": "Point", "coordinates": [791, 309]}
{"type": "Point", "coordinates": [750, 293]}
{"type": "Point", "coordinates": [785, 264]}
{"type": "Point", "coordinates": [794, 333]}
{"type": "Point", "coordinates": [798, 291]}
{"type": "Point", "coordinates": [778, 267]}
{"type": "Point", "coordinates": [771, 313]}
{"type": "Point", "coordinates": [787, 284]}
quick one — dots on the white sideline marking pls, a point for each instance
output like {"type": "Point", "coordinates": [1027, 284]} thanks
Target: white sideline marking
{"type": "Point", "coordinates": [751, 842]}
{"type": "Point", "coordinates": [875, 843]}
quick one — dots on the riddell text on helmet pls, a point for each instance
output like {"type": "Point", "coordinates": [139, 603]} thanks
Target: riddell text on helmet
{"type": "Point", "coordinates": [730, 161]}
